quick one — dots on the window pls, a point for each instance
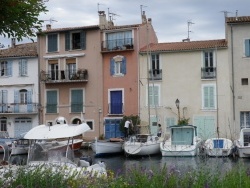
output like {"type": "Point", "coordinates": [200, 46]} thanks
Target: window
{"type": "Point", "coordinates": [3, 124]}
{"type": "Point", "coordinates": [90, 124]}
{"type": "Point", "coordinates": [6, 68]}
{"type": "Point", "coordinates": [77, 100]}
{"type": "Point", "coordinates": [71, 66]}
{"type": "Point", "coordinates": [116, 101]}
{"type": "Point", "coordinates": [118, 66]}
{"type": "Point", "coordinates": [51, 106]}
{"type": "Point", "coordinates": [118, 40]}
{"type": "Point", "coordinates": [209, 96]}
{"type": "Point", "coordinates": [208, 69]}
{"type": "Point", "coordinates": [23, 69]}
{"type": "Point", "coordinates": [244, 120]}
{"type": "Point", "coordinates": [247, 47]}
{"type": "Point", "coordinates": [75, 40]}
{"type": "Point", "coordinates": [244, 81]}
{"type": "Point", "coordinates": [3, 100]}
{"type": "Point", "coordinates": [155, 71]}
{"type": "Point", "coordinates": [23, 96]}
{"type": "Point", "coordinates": [53, 69]}
{"type": "Point", "coordinates": [52, 42]}
{"type": "Point", "coordinates": [154, 92]}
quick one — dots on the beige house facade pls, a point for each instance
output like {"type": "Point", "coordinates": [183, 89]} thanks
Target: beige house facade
{"type": "Point", "coordinates": [194, 72]}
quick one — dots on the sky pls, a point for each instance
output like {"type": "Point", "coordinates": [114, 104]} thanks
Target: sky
{"type": "Point", "coordinates": [169, 17]}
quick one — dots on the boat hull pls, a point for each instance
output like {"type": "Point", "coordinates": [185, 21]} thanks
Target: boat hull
{"type": "Point", "coordinates": [138, 148]}
{"type": "Point", "coordinates": [218, 147]}
{"type": "Point", "coordinates": [178, 150]}
{"type": "Point", "coordinates": [106, 147]}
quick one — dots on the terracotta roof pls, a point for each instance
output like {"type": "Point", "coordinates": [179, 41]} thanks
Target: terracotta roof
{"type": "Point", "coordinates": [240, 19]}
{"type": "Point", "coordinates": [20, 50]}
{"type": "Point", "coordinates": [186, 46]}
{"type": "Point", "coordinates": [69, 29]}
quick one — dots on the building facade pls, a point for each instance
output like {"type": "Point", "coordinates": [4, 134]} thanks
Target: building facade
{"type": "Point", "coordinates": [19, 92]}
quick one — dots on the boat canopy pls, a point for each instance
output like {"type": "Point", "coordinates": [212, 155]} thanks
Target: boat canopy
{"type": "Point", "coordinates": [43, 132]}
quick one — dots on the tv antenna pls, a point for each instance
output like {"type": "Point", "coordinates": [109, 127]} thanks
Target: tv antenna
{"type": "Point", "coordinates": [50, 20]}
{"type": "Point", "coordinates": [98, 5]}
{"type": "Point", "coordinates": [111, 15]}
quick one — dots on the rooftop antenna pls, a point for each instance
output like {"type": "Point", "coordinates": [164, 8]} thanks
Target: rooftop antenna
{"type": "Point", "coordinates": [189, 23]}
{"type": "Point", "coordinates": [141, 7]}
{"type": "Point", "coordinates": [50, 20]}
{"type": "Point", "coordinates": [225, 13]}
{"type": "Point", "coordinates": [236, 15]}
{"type": "Point", "coordinates": [111, 15]}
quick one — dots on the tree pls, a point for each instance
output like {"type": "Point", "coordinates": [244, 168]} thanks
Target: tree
{"type": "Point", "coordinates": [19, 18]}
{"type": "Point", "coordinates": [135, 120]}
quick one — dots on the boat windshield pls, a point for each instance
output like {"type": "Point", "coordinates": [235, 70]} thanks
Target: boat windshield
{"type": "Point", "coordinates": [49, 152]}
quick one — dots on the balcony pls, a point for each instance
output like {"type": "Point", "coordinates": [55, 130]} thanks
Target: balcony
{"type": "Point", "coordinates": [155, 74]}
{"type": "Point", "coordinates": [63, 76]}
{"type": "Point", "coordinates": [18, 108]}
{"type": "Point", "coordinates": [118, 45]}
{"type": "Point", "coordinates": [208, 73]}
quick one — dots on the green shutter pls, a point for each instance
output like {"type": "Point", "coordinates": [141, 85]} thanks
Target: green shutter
{"type": "Point", "coordinates": [76, 101]}
{"type": "Point", "coordinates": [51, 106]}
{"type": "Point", "coordinates": [83, 40]}
{"type": "Point", "coordinates": [247, 47]}
{"type": "Point", "coordinates": [67, 41]}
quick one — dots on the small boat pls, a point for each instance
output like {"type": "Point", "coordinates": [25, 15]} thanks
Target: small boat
{"type": "Point", "coordinates": [183, 141]}
{"type": "Point", "coordinates": [20, 146]}
{"type": "Point", "coordinates": [218, 147]}
{"type": "Point", "coordinates": [142, 144]}
{"type": "Point", "coordinates": [77, 144]}
{"type": "Point", "coordinates": [5, 138]}
{"type": "Point", "coordinates": [105, 147]}
{"type": "Point", "coordinates": [243, 143]}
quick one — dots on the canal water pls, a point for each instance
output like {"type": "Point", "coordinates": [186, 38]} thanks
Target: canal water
{"type": "Point", "coordinates": [121, 163]}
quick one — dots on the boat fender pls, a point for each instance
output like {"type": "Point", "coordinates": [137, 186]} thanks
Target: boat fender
{"type": "Point", "coordinates": [87, 159]}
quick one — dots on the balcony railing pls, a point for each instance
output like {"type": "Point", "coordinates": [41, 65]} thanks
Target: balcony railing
{"type": "Point", "coordinates": [19, 108]}
{"type": "Point", "coordinates": [118, 44]}
{"type": "Point", "coordinates": [155, 74]}
{"type": "Point", "coordinates": [58, 76]}
{"type": "Point", "coordinates": [208, 72]}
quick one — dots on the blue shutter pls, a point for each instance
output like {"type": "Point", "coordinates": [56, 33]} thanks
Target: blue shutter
{"type": "Point", "coordinates": [206, 97]}
{"type": "Point", "coordinates": [124, 66]}
{"type": "Point", "coordinates": [116, 102]}
{"type": "Point", "coordinates": [20, 67]}
{"type": "Point", "coordinates": [4, 100]}
{"type": "Point", "coordinates": [16, 101]}
{"type": "Point", "coordinates": [112, 66]}
{"type": "Point", "coordinates": [67, 41]}
{"type": "Point", "coordinates": [9, 68]}
{"type": "Point", "coordinates": [247, 47]}
{"type": "Point", "coordinates": [83, 40]}
{"type": "Point", "coordinates": [29, 101]}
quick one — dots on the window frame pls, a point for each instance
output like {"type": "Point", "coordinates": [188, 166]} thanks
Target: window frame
{"type": "Point", "coordinates": [158, 96]}
{"type": "Point", "coordinates": [83, 100]}
{"type": "Point", "coordinates": [57, 100]}
{"type": "Point", "coordinates": [23, 67]}
{"type": "Point", "coordinates": [50, 47]}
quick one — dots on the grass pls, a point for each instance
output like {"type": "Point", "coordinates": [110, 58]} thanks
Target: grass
{"type": "Point", "coordinates": [136, 177]}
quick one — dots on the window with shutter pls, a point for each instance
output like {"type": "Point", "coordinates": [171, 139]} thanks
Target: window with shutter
{"type": "Point", "coordinates": [209, 97]}
{"type": "Point", "coordinates": [75, 40]}
{"type": "Point", "coordinates": [52, 42]}
{"type": "Point", "coordinates": [154, 95]}
{"type": "Point", "coordinates": [6, 68]}
{"type": "Point", "coordinates": [77, 100]}
{"type": "Point", "coordinates": [51, 106]}
{"type": "Point", "coordinates": [247, 47]}
{"type": "Point", "coordinates": [118, 66]}
{"type": "Point", "coordinates": [23, 67]}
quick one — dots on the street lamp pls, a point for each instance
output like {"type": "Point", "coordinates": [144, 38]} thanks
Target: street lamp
{"type": "Point", "coordinates": [177, 103]}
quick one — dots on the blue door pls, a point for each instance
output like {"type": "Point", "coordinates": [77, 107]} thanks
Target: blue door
{"type": "Point", "coordinates": [112, 128]}
{"type": "Point", "coordinates": [116, 102]}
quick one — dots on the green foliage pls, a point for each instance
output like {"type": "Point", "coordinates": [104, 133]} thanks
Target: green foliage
{"type": "Point", "coordinates": [19, 18]}
{"type": "Point", "coordinates": [183, 121]}
{"type": "Point", "coordinates": [136, 121]}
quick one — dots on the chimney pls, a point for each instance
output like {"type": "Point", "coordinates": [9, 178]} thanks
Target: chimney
{"type": "Point", "coordinates": [149, 20]}
{"type": "Point", "coordinates": [102, 20]}
{"type": "Point", "coordinates": [48, 27]}
{"type": "Point", "coordinates": [13, 42]}
{"type": "Point", "coordinates": [143, 17]}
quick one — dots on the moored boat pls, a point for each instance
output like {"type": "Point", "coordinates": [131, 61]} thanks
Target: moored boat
{"type": "Point", "coordinates": [142, 144]}
{"type": "Point", "coordinates": [218, 147]}
{"type": "Point", "coordinates": [183, 141]}
{"type": "Point", "coordinates": [105, 147]}
{"type": "Point", "coordinates": [76, 145]}
{"type": "Point", "coordinates": [243, 143]}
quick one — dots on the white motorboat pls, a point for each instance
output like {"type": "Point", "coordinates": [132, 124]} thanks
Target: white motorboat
{"type": "Point", "coordinates": [105, 147]}
{"type": "Point", "coordinates": [183, 141]}
{"type": "Point", "coordinates": [77, 143]}
{"type": "Point", "coordinates": [47, 151]}
{"type": "Point", "coordinates": [218, 147]}
{"type": "Point", "coordinates": [20, 146]}
{"type": "Point", "coordinates": [243, 143]}
{"type": "Point", "coordinates": [142, 144]}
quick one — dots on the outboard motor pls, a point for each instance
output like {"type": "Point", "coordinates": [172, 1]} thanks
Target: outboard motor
{"type": "Point", "coordinates": [85, 161]}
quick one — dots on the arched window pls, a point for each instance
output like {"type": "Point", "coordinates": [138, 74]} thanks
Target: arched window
{"type": "Point", "coordinates": [23, 96]}
{"type": "Point", "coordinates": [76, 121]}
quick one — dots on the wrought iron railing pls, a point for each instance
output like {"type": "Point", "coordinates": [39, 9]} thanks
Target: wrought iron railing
{"type": "Point", "coordinates": [18, 107]}
{"type": "Point", "coordinates": [208, 72]}
{"type": "Point", "coordinates": [118, 44]}
{"type": "Point", "coordinates": [115, 108]}
{"type": "Point", "coordinates": [155, 74]}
